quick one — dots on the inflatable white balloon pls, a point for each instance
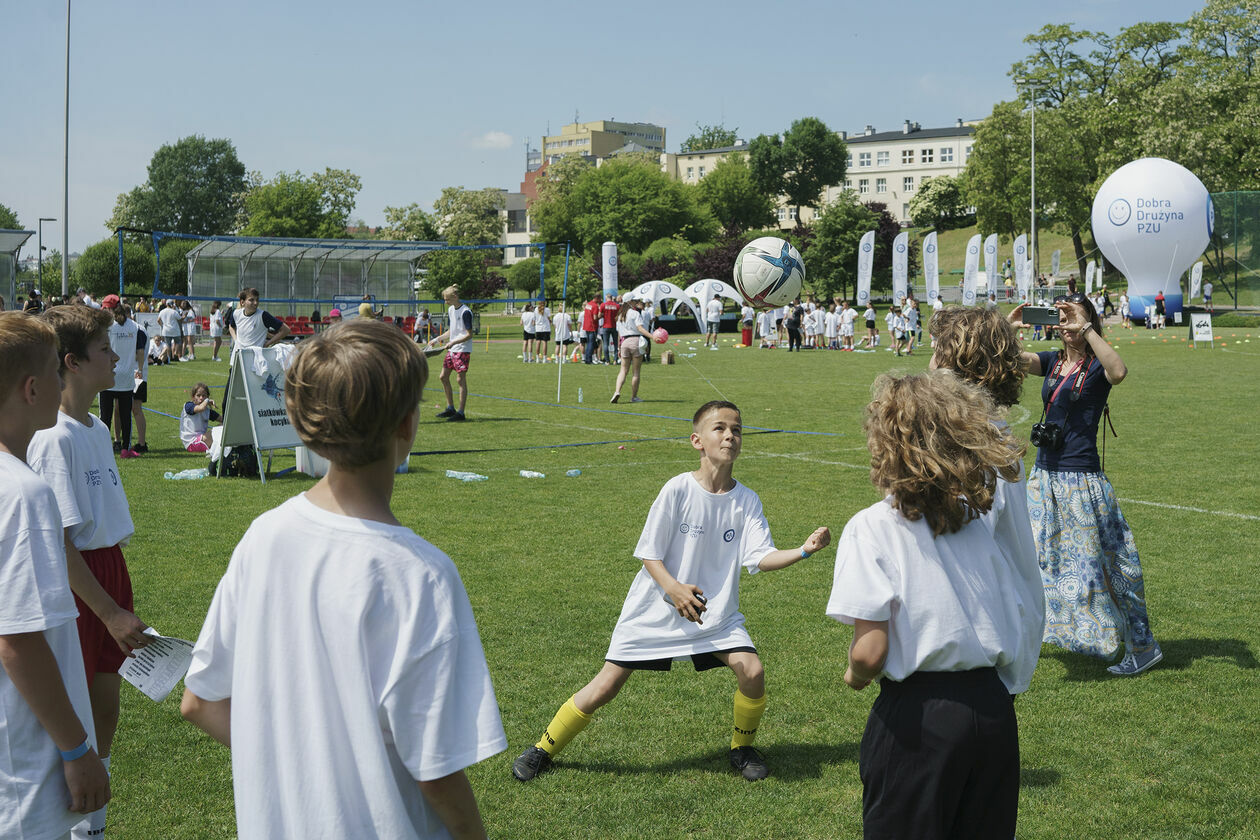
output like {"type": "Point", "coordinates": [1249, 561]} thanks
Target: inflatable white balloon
{"type": "Point", "coordinates": [1152, 219]}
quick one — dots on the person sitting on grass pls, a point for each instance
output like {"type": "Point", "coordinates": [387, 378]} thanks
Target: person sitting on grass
{"type": "Point", "coordinates": [703, 526]}
{"type": "Point", "coordinates": [340, 660]}
{"type": "Point", "coordinates": [195, 420]}
{"type": "Point", "coordinates": [936, 615]}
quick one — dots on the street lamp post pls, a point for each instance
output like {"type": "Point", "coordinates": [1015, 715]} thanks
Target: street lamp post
{"type": "Point", "coordinates": [42, 219]}
{"type": "Point", "coordinates": [1032, 86]}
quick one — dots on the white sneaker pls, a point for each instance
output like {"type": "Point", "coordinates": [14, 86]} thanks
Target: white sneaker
{"type": "Point", "coordinates": [1135, 663]}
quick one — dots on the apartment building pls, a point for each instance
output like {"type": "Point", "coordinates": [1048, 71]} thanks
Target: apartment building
{"type": "Point", "coordinates": [600, 138]}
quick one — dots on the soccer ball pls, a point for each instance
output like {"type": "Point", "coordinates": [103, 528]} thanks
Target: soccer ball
{"type": "Point", "coordinates": [769, 272]}
{"type": "Point", "coordinates": [659, 335]}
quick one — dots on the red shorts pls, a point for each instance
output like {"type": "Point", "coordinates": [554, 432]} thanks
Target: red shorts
{"type": "Point", "coordinates": [457, 362]}
{"type": "Point", "coordinates": [198, 445]}
{"type": "Point", "coordinates": [100, 652]}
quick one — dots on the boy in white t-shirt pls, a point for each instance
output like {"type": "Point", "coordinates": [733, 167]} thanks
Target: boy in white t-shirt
{"type": "Point", "coordinates": [935, 608]}
{"type": "Point", "coordinates": [458, 347]}
{"type": "Point", "coordinates": [702, 528]}
{"type": "Point", "coordinates": [76, 458]}
{"type": "Point", "coordinates": [340, 660]}
{"type": "Point", "coordinates": [847, 316]}
{"type": "Point", "coordinates": [52, 775]}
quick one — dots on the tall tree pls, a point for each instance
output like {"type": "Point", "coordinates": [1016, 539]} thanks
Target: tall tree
{"type": "Point", "coordinates": [408, 224]}
{"type": "Point", "coordinates": [97, 269]}
{"type": "Point", "coordinates": [807, 158]}
{"type": "Point", "coordinates": [552, 212]}
{"type": "Point", "coordinates": [194, 186]}
{"type": "Point", "coordinates": [939, 203]}
{"type": "Point", "coordinates": [709, 137]}
{"type": "Point", "coordinates": [292, 205]}
{"type": "Point", "coordinates": [467, 217]}
{"type": "Point", "coordinates": [8, 219]}
{"type": "Point", "coordinates": [831, 256]}
{"type": "Point", "coordinates": [733, 198]}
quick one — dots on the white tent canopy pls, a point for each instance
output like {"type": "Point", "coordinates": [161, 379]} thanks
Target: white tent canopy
{"type": "Point", "coordinates": [702, 291]}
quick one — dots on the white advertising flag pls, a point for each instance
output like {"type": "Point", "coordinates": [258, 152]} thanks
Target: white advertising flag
{"type": "Point", "coordinates": [1028, 277]}
{"type": "Point", "coordinates": [1054, 262]}
{"type": "Point", "coordinates": [1196, 279]}
{"type": "Point", "coordinates": [991, 269]}
{"type": "Point", "coordinates": [930, 277]}
{"type": "Point", "coordinates": [866, 260]}
{"type": "Point", "coordinates": [1089, 277]}
{"type": "Point", "coordinates": [970, 268]}
{"type": "Point", "coordinates": [899, 271]}
{"type": "Point", "coordinates": [1019, 262]}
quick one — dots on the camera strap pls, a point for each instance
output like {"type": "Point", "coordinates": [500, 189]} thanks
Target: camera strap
{"type": "Point", "coordinates": [1105, 425]}
{"type": "Point", "coordinates": [1076, 375]}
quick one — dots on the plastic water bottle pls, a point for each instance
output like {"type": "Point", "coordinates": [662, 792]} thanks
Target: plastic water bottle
{"type": "Point", "coordinates": [187, 475]}
{"type": "Point", "coordinates": [466, 476]}
{"type": "Point", "coordinates": [532, 474]}
{"type": "Point", "coordinates": [579, 394]}
{"type": "Point", "coordinates": [573, 473]}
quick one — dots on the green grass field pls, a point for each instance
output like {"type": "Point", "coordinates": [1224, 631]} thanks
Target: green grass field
{"type": "Point", "coordinates": [1170, 754]}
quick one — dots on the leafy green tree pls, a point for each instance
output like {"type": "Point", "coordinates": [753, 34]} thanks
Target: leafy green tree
{"type": "Point", "coordinates": [408, 224]}
{"type": "Point", "coordinates": [9, 219]}
{"type": "Point", "coordinates": [998, 171]}
{"type": "Point", "coordinates": [631, 202]}
{"type": "Point", "coordinates": [523, 277]}
{"type": "Point", "coordinates": [887, 229]}
{"type": "Point", "coordinates": [194, 186]}
{"type": "Point", "coordinates": [291, 205]}
{"type": "Point", "coordinates": [808, 157]}
{"type": "Point", "coordinates": [831, 256]}
{"type": "Point", "coordinates": [173, 263]}
{"type": "Point", "coordinates": [709, 137]}
{"type": "Point", "coordinates": [940, 203]}
{"type": "Point", "coordinates": [552, 213]}
{"type": "Point", "coordinates": [469, 217]}
{"type": "Point", "coordinates": [97, 269]}
{"type": "Point", "coordinates": [733, 198]}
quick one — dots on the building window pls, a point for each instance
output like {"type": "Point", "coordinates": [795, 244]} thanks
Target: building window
{"type": "Point", "coordinates": [864, 158]}
{"type": "Point", "coordinates": [926, 155]}
{"type": "Point", "coordinates": [516, 221]}
{"type": "Point", "coordinates": [947, 154]}
{"type": "Point", "coordinates": [848, 184]}
{"type": "Point", "coordinates": [691, 171]}
{"type": "Point", "coordinates": [522, 251]}
{"type": "Point", "coordinates": [905, 211]}
{"type": "Point", "coordinates": [792, 213]}
{"type": "Point", "coordinates": [967, 153]}
{"type": "Point", "coordinates": [702, 172]}
{"type": "Point", "coordinates": [782, 214]}
{"type": "Point", "coordinates": [907, 183]}
{"type": "Point", "coordinates": [864, 186]}
{"type": "Point", "coordinates": [881, 158]}
{"type": "Point", "coordinates": [881, 185]}
{"type": "Point", "coordinates": [907, 156]}
{"type": "Point", "coordinates": [848, 161]}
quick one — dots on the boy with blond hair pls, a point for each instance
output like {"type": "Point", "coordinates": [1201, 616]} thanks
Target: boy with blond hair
{"type": "Point", "coordinates": [340, 659]}
{"type": "Point", "coordinates": [703, 527]}
{"type": "Point", "coordinates": [52, 772]}
{"type": "Point", "coordinates": [76, 458]}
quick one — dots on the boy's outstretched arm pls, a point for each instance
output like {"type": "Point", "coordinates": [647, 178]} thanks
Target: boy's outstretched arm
{"type": "Point", "coordinates": [785, 557]}
{"type": "Point", "coordinates": [867, 654]}
{"type": "Point", "coordinates": [453, 800]}
{"type": "Point", "coordinates": [214, 717]}
{"type": "Point", "coordinates": [125, 627]}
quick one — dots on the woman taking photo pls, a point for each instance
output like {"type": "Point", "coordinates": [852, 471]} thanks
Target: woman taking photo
{"type": "Point", "coordinates": [631, 333]}
{"type": "Point", "coordinates": [1094, 592]}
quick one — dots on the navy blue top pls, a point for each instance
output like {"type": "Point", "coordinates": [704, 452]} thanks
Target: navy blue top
{"type": "Point", "coordinates": [1078, 418]}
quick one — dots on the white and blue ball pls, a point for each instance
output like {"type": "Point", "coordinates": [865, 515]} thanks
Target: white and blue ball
{"type": "Point", "coordinates": [769, 272]}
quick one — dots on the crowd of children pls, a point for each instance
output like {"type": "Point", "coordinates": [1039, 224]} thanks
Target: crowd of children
{"type": "Point", "coordinates": [354, 711]}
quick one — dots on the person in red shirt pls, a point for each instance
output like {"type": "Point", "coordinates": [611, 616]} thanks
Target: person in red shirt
{"type": "Point", "coordinates": [608, 327]}
{"type": "Point", "coordinates": [590, 326]}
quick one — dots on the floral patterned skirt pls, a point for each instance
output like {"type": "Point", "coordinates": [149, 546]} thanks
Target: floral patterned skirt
{"type": "Point", "coordinates": [1089, 565]}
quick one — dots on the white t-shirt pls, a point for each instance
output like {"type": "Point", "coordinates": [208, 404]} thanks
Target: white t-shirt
{"type": "Point", "coordinates": [216, 323]}
{"type": "Point", "coordinates": [831, 325]}
{"type": "Point", "coordinates": [713, 311]}
{"type": "Point", "coordinates": [746, 315]}
{"type": "Point", "coordinates": [703, 538]}
{"type": "Point", "coordinates": [527, 321]}
{"type": "Point", "coordinates": [938, 304]}
{"type": "Point", "coordinates": [630, 326]}
{"type": "Point", "coordinates": [765, 323]}
{"type": "Point", "coordinates": [1207, 290]}
{"type": "Point", "coordinates": [847, 317]}
{"type": "Point", "coordinates": [459, 322]}
{"type": "Point", "coordinates": [891, 320]}
{"type": "Point", "coordinates": [168, 320]}
{"type": "Point", "coordinates": [911, 315]}
{"type": "Point", "coordinates": [542, 322]}
{"type": "Point", "coordinates": [562, 327]}
{"type": "Point", "coordinates": [35, 597]}
{"type": "Point", "coordinates": [188, 319]}
{"type": "Point", "coordinates": [869, 314]}
{"type": "Point", "coordinates": [78, 463]}
{"type": "Point", "coordinates": [952, 602]}
{"type": "Point", "coordinates": [122, 340]}
{"type": "Point", "coordinates": [355, 669]}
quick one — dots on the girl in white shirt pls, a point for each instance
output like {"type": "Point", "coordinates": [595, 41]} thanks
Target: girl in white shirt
{"type": "Point", "coordinates": [633, 336]}
{"type": "Point", "coordinates": [527, 333]}
{"type": "Point", "coordinates": [929, 592]}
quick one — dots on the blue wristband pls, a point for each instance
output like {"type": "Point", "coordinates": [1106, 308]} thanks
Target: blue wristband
{"type": "Point", "coordinates": [804, 554]}
{"type": "Point", "coordinates": [78, 752]}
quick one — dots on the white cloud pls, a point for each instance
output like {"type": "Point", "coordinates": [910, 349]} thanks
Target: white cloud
{"type": "Point", "coordinates": [493, 140]}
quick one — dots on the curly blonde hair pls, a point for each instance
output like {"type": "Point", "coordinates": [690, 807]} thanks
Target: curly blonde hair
{"type": "Point", "coordinates": [982, 347]}
{"type": "Point", "coordinates": [350, 386]}
{"type": "Point", "coordinates": [935, 450]}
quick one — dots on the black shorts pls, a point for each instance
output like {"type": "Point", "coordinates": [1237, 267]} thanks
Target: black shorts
{"type": "Point", "coordinates": [870, 325]}
{"type": "Point", "coordinates": [528, 336]}
{"type": "Point", "coordinates": [566, 341]}
{"type": "Point", "coordinates": [142, 393]}
{"type": "Point", "coordinates": [542, 336]}
{"type": "Point", "coordinates": [701, 661]}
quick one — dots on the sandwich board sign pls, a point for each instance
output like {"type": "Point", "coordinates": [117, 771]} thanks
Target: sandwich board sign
{"type": "Point", "coordinates": [254, 412]}
{"type": "Point", "coordinates": [1200, 328]}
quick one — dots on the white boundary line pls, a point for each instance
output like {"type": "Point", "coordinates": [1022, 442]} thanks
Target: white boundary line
{"type": "Point", "coordinates": [1246, 516]}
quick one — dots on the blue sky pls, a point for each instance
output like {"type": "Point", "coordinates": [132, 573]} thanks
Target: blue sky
{"type": "Point", "coordinates": [417, 96]}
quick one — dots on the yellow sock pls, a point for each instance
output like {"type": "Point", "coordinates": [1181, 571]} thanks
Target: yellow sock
{"type": "Point", "coordinates": [567, 723]}
{"type": "Point", "coordinates": [747, 718]}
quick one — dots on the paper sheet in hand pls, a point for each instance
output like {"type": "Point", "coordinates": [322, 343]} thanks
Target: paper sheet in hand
{"type": "Point", "coordinates": [158, 666]}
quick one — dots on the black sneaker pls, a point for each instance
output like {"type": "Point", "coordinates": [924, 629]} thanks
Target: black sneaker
{"type": "Point", "coordinates": [457, 417]}
{"type": "Point", "coordinates": [118, 446]}
{"type": "Point", "coordinates": [532, 762]}
{"type": "Point", "coordinates": [449, 411]}
{"type": "Point", "coordinates": [142, 448]}
{"type": "Point", "coordinates": [749, 762]}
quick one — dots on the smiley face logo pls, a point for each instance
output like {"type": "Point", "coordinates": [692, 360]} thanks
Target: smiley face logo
{"type": "Point", "coordinates": [1119, 212]}
{"type": "Point", "coordinates": [729, 535]}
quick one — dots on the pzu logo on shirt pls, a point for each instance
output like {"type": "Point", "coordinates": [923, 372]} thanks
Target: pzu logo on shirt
{"type": "Point", "coordinates": [695, 531]}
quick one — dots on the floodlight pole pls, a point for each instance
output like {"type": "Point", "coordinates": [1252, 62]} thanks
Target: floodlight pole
{"type": "Point", "coordinates": [1032, 86]}
{"type": "Point", "coordinates": [65, 173]}
{"type": "Point", "coordinates": [43, 219]}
